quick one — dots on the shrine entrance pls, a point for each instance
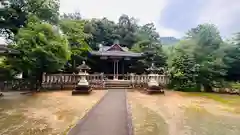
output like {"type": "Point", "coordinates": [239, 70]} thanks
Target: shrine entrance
{"type": "Point", "coordinates": [117, 58]}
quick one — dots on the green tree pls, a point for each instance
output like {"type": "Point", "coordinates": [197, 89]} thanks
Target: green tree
{"type": "Point", "coordinates": [148, 43]}
{"type": "Point", "coordinates": [126, 30]}
{"type": "Point", "coordinates": [203, 43]}
{"type": "Point", "coordinates": [103, 32]}
{"type": "Point", "coordinates": [183, 70]}
{"type": "Point", "coordinates": [232, 59]}
{"type": "Point", "coordinates": [147, 32]}
{"type": "Point", "coordinates": [77, 38]}
{"type": "Point", "coordinates": [42, 49]}
{"type": "Point", "coordinates": [208, 42]}
{"type": "Point", "coordinates": [152, 53]}
{"type": "Point", "coordinates": [72, 16]}
{"type": "Point", "coordinates": [14, 14]}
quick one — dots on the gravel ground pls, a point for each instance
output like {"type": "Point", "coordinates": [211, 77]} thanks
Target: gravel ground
{"type": "Point", "coordinates": [175, 114]}
{"type": "Point", "coordinates": [43, 113]}
{"type": "Point", "coordinates": [171, 114]}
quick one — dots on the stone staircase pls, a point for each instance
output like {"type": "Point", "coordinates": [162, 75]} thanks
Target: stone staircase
{"type": "Point", "coordinates": [117, 84]}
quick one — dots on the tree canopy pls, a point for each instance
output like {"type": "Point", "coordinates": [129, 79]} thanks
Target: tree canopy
{"type": "Point", "coordinates": [14, 14]}
{"type": "Point", "coordinates": [42, 49]}
{"type": "Point", "coordinates": [198, 62]}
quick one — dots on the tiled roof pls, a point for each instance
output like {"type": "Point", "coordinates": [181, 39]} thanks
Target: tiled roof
{"type": "Point", "coordinates": [105, 48]}
{"type": "Point", "coordinates": [115, 50]}
{"type": "Point", "coordinates": [116, 53]}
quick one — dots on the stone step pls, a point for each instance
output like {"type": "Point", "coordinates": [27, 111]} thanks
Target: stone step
{"type": "Point", "coordinates": [117, 84]}
{"type": "Point", "coordinates": [126, 86]}
{"type": "Point", "coordinates": [117, 87]}
{"type": "Point", "coordinates": [126, 83]}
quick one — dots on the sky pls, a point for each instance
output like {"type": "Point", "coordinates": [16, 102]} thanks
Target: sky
{"type": "Point", "coordinates": [171, 17]}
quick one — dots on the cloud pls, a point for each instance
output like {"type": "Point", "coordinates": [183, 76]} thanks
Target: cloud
{"type": "Point", "coordinates": [2, 40]}
{"type": "Point", "coordinates": [171, 17]}
{"type": "Point", "coordinates": [146, 11]}
{"type": "Point", "coordinates": [168, 32]}
{"type": "Point", "coordinates": [182, 15]}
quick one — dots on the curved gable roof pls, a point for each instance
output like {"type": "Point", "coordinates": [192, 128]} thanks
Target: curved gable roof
{"type": "Point", "coordinates": [115, 50]}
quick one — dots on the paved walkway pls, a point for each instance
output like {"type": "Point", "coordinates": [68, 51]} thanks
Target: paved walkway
{"type": "Point", "coordinates": [108, 117]}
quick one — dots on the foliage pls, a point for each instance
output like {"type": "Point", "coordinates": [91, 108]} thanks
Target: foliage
{"type": "Point", "coordinates": [235, 85]}
{"type": "Point", "coordinates": [72, 16]}
{"type": "Point", "coordinates": [103, 32]}
{"type": "Point", "coordinates": [42, 48]}
{"type": "Point", "coordinates": [5, 70]}
{"type": "Point", "coordinates": [77, 38]}
{"type": "Point", "coordinates": [211, 68]}
{"type": "Point", "coordinates": [149, 44]}
{"type": "Point", "coordinates": [232, 60]}
{"type": "Point", "coordinates": [126, 30]}
{"type": "Point", "coordinates": [201, 64]}
{"type": "Point", "coordinates": [14, 14]}
{"type": "Point", "coordinates": [169, 40]}
{"type": "Point", "coordinates": [183, 68]}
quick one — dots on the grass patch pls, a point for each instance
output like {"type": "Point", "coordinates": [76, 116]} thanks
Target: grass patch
{"type": "Point", "coordinates": [222, 98]}
{"type": "Point", "coordinates": [231, 100]}
{"type": "Point", "coordinates": [235, 85]}
{"type": "Point", "coordinates": [204, 123]}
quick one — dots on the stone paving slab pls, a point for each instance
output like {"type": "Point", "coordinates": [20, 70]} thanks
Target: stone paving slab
{"type": "Point", "coordinates": [108, 117]}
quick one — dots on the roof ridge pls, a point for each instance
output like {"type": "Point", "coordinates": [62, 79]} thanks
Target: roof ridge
{"type": "Point", "coordinates": [118, 45]}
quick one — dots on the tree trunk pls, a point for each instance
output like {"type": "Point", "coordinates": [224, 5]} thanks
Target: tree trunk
{"type": "Point", "coordinates": [73, 64]}
{"type": "Point", "coordinates": [207, 88]}
{"type": "Point", "coordinates": [38, 81]}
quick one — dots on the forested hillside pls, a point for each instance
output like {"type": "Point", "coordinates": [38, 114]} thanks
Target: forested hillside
{"type": "Point", "coordinates": [169, 40]}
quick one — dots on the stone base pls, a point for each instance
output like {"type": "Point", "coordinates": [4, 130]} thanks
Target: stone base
{"type": "Point", "coordinates": [155, 89]}
{"type": "Point", "coordinates": [82, 89]}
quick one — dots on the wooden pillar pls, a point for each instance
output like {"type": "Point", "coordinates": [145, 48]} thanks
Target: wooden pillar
{"type": "Point", "coordinates": [117, 70]}
{"type": "Point", "coordinates": [114, 66]}
{"type": "Point", "coordinates": [123, 69]}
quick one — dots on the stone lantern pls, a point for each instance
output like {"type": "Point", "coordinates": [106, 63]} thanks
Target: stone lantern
{"type": "Point", "coordinates": [153, 84]}
{"type": "Point", "coordinates": [82, 85]}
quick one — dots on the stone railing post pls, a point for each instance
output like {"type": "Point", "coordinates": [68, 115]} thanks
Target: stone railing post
{"type": "Point", "coordinates": [102, 80]}
{"type": "Point", "coordinates": [132, 79]}
{"type": "Point", "coordinates": [101, 76]}
{"type": "Point", "coordinates": [44, 77]}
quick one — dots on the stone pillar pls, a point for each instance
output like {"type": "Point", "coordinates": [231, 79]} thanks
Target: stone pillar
{"type": "Point", "coordinates": [132, 78]}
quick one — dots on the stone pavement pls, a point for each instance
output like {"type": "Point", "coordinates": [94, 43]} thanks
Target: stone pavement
{"type": "Point", "coordinates": [109, 117]}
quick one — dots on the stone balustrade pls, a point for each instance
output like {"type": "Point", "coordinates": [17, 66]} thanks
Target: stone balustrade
{"type": "Point", "coordinates": [139, 79]}
{"type": "Point", "coordinates": [95, 80]}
